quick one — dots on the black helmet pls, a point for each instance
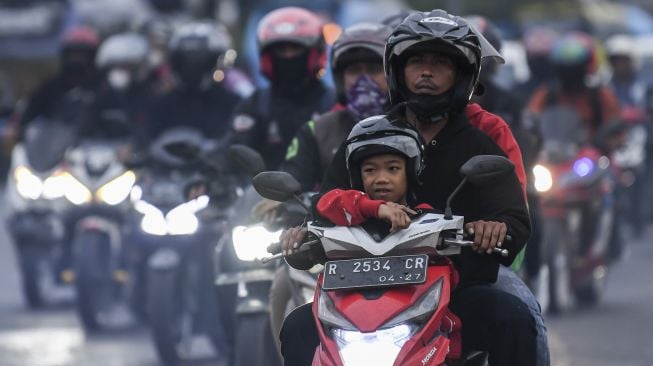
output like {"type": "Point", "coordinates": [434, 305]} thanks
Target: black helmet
{"type": "Point", "coordinates": [383, 135]}
{"type": "Point", "coordinates": [197, 48]}
{"type": "Point", "coordinates": [362, 42]}
{"type": "Point", "coordinates": [438, 31]}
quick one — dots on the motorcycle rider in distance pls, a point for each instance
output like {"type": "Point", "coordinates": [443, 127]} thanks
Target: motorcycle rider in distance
{"type": "Point", "coordinates": [432, 64]}
{"type": "Point", "coordinates": [199, 52]}
{"type": "Point", "coordinates": [621, 52]}
{"type": "Point", "coordinates": [574, 58]}
{"type": "Point", "coordinates": [119, 109]}
{"type": "Point", "coordinates": [538, 42]}
{"type": "Point", "coordinates": [77, 70]}
{"type": "Point", "coordinates": [292, 57]}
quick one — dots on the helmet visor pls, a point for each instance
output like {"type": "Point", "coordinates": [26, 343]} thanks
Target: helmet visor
{"type": "Point", "coordinates": [394, 143]}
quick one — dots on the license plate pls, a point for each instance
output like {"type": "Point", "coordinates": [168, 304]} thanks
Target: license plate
{"type": "Point", "coordinates": [375, 272]}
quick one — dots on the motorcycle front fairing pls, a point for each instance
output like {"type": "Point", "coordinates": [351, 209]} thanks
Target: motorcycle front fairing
{"type": "Point", "coordinates": [403, 316]}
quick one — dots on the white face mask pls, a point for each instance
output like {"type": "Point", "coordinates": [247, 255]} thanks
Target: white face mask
{"type": "Point", "coordinates": [119, 79]}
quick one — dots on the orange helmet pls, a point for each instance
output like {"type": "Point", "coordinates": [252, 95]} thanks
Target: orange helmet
{"type": "Point", "coordinates": [293, 25]}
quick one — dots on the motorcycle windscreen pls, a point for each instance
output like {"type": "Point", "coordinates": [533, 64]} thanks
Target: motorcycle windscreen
{"type": "Point", "coordinates": [46, 142]}
{"type": "Point", "coordinates": [177, 146]}
{"type": "Point", "coordinates": [562, 131]}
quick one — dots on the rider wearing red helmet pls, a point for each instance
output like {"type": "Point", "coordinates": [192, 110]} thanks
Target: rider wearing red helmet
{"type": "Point", "coordinates": [292, 57]}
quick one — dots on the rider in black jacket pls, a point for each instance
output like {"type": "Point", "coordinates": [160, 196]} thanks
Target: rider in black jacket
{"type": "Point", "coordinates": [198, 100]}
{"type": "Point", "coordinates": [432, 65]}
{"type": "Point", "coordinates": [292, 56]}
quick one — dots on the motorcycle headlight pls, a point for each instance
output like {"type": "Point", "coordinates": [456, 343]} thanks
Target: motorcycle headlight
{"type": "Point", "coordinates": [75, 191]}
{"type": "Point", "coordinates": [28, 185]}
{"type": "Point", "coordinates": [251, 243]}
{"type": "Point", "coordinates": [379, 348]}
{"type": "Point", "coordinates": [153, 221]}
{"type": "Point", "coordinates": [181, 220]}
{"type": "Point", "coordinates": [54, 186]}
{"type": "Point", "coordinates": [543, 178]}
{"type": "Point", "coordinates": [118, 189]}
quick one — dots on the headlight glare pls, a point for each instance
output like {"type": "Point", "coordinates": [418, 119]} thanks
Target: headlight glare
{"type": "Point", "coordinates": [28, 185]}
{"type": "Point", "coordinates": [181, 220]}
{"type": "Point", "coordinates": [251, 243]}
{"type": "Point", "coordinates": [543, 178]}
{"type": "Point", "coordinates": [376, 348]}
{"type": "Point", "coordinates": [54, 186]}
{"type": "Point", "coordinates": [75, 191]}
{"type": "Point", "coordinates": [118, 189]}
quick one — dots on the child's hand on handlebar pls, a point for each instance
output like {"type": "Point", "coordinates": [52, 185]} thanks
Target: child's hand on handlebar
{"type": "Point", "coordinates": [487, 235]}
{"type": "Point", "coordinates": [396, 215]}
{"type": "Point", "coordinates": [291, 239]}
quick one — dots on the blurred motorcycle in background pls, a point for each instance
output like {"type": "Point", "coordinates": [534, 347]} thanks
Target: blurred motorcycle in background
{"type": "Point", "coordinates": [98, 184]}
{"type": "Point", "coordinates": [177, 233]}
{"type": "Point", "coordinates": [631, 162]}
{"type": "Point", "coordinates": [34, 197]}
{"type": "Point", "coordinates": [578, 208]}
{"type": "Point", "coordinates": [242, 280]}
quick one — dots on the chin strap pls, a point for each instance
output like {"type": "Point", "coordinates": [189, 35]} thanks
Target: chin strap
{"type": "Point", "coordinates": [429, 108]}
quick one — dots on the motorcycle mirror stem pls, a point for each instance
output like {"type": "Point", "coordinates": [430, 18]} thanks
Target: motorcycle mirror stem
{"type": "Point", "coordinates": [448, 215]}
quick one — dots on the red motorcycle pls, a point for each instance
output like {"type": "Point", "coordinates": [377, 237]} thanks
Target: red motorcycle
{"type": "Point", "coordinates": [576, 187]}
{"type": "Point", "coordinates": [383, 299]}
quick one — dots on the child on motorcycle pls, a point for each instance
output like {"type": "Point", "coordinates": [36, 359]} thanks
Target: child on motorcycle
{"type": "Point", "coordinates": [383, 172]}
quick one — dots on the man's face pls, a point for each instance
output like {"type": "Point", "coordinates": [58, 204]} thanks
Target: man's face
{"type": "Point", "coordinates": [384, 177]}
{"type": "Point", "coordinates": [373, 70]}
{"type": "Point", "coordinates": [429, 73]}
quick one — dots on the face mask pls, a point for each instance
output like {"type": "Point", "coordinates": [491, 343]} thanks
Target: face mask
{"type": "Point", "coordinates": [365, 98]}
{"type": "Point", "coordinates": [290, 73]}
{"type": "Point", "coordinates": [119, 79]}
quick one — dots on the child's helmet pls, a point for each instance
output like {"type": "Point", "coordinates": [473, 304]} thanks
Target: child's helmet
{"type": "Point", "coordinates": [383, 135]}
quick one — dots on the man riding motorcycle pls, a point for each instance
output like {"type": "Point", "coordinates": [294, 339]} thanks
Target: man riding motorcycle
{"type": "Point", "coordinates": [198, 100]}
{"type": "Point", "coordinates": [77, 70]}
{"type": "Point", "coordinates": [119, 108]}
{"type": "Point", "coordinates": [432, 67]}
{"type": "Point", "coordinates": [292, 57]}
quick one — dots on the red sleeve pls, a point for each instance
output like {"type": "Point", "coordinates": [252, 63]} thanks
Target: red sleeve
{"type": "Point", "coordinates": [347, 208]}
{"type": "Point", "coordinates": [499, 131]}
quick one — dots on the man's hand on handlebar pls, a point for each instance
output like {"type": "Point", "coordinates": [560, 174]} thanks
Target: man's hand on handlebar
{"type": "Point", "coordinates": [487, 235]}
{"type": "Point", "coordinates": [291, 239]}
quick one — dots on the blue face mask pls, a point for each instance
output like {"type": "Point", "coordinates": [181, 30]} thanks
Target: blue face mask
{"type": "Point", "coordinates": [365, 98]}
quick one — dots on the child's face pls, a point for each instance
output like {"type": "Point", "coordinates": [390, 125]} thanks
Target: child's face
{"type": "Point", "coordinates": [384, 177]}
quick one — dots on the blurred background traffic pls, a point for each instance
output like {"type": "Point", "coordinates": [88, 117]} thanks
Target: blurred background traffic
{"type": "Point", "coordinates": [86, 276]}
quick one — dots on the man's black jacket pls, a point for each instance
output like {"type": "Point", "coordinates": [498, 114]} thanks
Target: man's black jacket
{"type": "Point", "coordinates": [268, 120]}
{"type": "Point", "coordinates": [209, 111]}
{"type": "Point", "coordinates": [311, 151]}
{"type": "Point", "coordinates": [502, 200]}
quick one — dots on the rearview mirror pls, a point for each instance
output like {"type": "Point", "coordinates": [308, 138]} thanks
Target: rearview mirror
{"type": "Point", "coordinates": [482, 169]}
{"type": "Point", "coordinates": [245, 158]}
{"type": "Point", "coordinates": [276, 186]}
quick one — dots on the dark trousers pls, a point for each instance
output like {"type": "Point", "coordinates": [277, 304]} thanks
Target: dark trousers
{"type": "Point", "coordinates": [493, 321]}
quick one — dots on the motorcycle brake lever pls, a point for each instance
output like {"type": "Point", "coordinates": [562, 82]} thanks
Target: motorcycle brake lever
{"type": "Point", "coordinates": [304, 248]}
{"type": "Point", "coordinates": [468, 243]}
